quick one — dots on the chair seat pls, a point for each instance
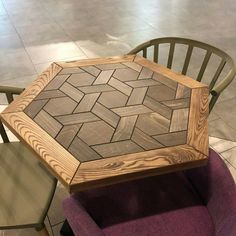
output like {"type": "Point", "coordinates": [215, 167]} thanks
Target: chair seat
{"type": "Point", "coordinates": [194, 221]}
{"type": "Point", "coordinates": [159, 205]}
{"type": "Point", "coordinates": [26, 186]}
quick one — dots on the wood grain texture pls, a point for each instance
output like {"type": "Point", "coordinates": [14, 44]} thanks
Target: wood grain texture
{"type": "Point", "coordinates": [96, 88]}
{"type": "Point", "coordinates": [87, 102]}
{"type": "Point", "coordinates": [179, 120]}
{"type": "Point", "coordinates": [164, 80]}
{"type": "Point", "coordinates": [91, 69]}
{"type": "Point", "coordinates": [137, 96]}
{"type": "Point", "coordinates": [96, 61]}
{"type": "Point", "coordinates": [198, 125]}
{"type": "Point", "coordinates": [131, 110]}
{"type": "Point", "coordinates": [117, 148]}
{"type": "Point", "coordinates": [164, 93]}
{"type": "Point", "coordinates": [96, 132]}
{"type": "Point", "coordinates": [34, 107]}
{"type": "Point", "coordinates": [182, 92]}
{"type": "Point", "coordinates": [48, 123]}
{"type": "Point", "coordinates": [82, 151]}
{"type": "Point", "coordinates": [177, 103]}
{"type": "Point", "coordinates": [122, 87]}
{"type": "Point", "coordinates": [172, 139]}
{"type": "Point", "coordinates": [142, 82]}
{"type": "Point", "coordinates": [77, 118]}
{"type": "Point", "coordinates": [113, 99]}
{"type": "Point", "coordinates": [133, 66]}
{"type": "Point", "coordinates": [82, 79]}
{"type": "Point", "coordinates": [144, 140]}
{"type": "Point", "coordinates": [157, 107]}
{"type": "Point", "coordinates": [105, 114]}
{"type": "Point", "coordinates": [146, 73]}
{"type": "Point", "coordinates": [136, 165]}
{"type": "Point", "coordinates": [153, 123]}
{"type": "Point", "coordinates": [57, 82]}
{"type": "Point", "coordinates": [72, 92]}
{"type": "Point", "coordinates": [67, 134]}
{"type": "Point", "coordinates": [104, 77]}
{"type": "Point", "coordinates": [61, 163]}
{"type": "Point", "coordinates": [125, 128]}
{"type": "Point", "coordinates": [34, 89]}
{"type": "Point", "coordinates": [69, 71]}
{"type": "Point", "coordinates": [182, 79]}
{"type": "Point", "coordinates": [126, 74]}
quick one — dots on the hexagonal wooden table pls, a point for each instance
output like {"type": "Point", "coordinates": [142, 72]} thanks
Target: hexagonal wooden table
{"type": "Point", "coordinates": [102, 121]}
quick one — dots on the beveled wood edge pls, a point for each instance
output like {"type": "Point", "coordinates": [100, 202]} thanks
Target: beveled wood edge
{"type": "Point", "coordinates": [182, 79]}
{"type": "Point", "coordinates": [197, 136]}
{"type": "Point", "coordinates": [60, 162]}
{"type": "Point", "coordinates": [34, 89]}
{"type": "Point", "coordinates": [107, 171]}
{"type": "Point", "coordinates": [96, 61]}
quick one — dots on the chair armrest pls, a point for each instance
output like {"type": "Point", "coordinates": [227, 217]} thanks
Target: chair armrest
{"type": "Point", "coordinates": [10, 91]}
{"type": "Point", "coordinates": [216, 187]}
{"type": "Point", "coordinates": [79, 220]}
{"type": "Point", "coordinates": [13, 90]}
{"type": "Point", "coordinates": [218, 88]}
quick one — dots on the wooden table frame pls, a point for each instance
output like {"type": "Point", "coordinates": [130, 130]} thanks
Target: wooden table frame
{"type": "Point", "coordinates": [79, 176]}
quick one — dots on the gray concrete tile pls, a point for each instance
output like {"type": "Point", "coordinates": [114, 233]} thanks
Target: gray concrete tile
{"type": "Point", "coordinates": [55, 212]}
{"type": "Point", "coordinates": [230, 156]}
{"type": "Point", "coordinates": [56, 229]}
{"type": "Point", "coordinates": [218, 128]}
{"type": "Point", "coordinates": [47, 52]}
{"type": "Point", "coordinates": [221, 145]}
{"type": "Point", "coordinates": [231, 169]}
{"type": "Point", "coordinates": [32, 35]}
{"type": "Point", "coordinates": [226, 110]}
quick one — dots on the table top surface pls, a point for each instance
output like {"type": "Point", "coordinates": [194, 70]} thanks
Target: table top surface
{"type": "Point", "coordinates": [101, 121]}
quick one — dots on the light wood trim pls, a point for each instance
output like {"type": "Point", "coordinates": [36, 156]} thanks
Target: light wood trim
{"type": "Point", "coordinates": [198, 125]}
{"type": "Point", "coordinates": [96, 61]}
{"type": "Point", "coordinates": [33, 90]}
{"type": "Point", "coordinates": [182, 79]}
{"type": "Point", "coordinates": [62, 164]}
{"type": "Point", "coordinates": [127, 167]}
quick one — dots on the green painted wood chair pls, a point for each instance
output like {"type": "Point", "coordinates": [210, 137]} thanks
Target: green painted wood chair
{"type": "Point", "coordinates": [27, 188]}
{"type": "Point", "coordinates": [225, 61]}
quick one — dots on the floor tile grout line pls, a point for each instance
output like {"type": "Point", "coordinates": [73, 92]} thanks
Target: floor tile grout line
{"type": "Point", "coordinates": [50, 224]}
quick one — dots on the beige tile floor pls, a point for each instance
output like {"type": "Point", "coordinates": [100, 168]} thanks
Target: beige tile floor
{"type": "Point", "coordinates": [35, 33]}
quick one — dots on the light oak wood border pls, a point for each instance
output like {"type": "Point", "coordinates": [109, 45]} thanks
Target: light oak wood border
{"type": "Point", "coordinates": [33, 90]}
{"type": "Point", "coordinates": [132, 166]}
{"type": "Point", "coordinates": [60, 162]}
{"type": "Point", "coordinates": [96, 61]}
{"type": "Point", "coordinates": [197, 135]}
{"type": "Point", "coordinates": [182, 79]}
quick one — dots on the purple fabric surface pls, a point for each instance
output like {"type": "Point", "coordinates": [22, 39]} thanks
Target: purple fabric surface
{"type": "Point", "coordinates": [217, 189]}
{"type": "Point", "coordinates": [153, 202]}
{"type": "Point", "coordinates": [194, 221]}
{"type": "Point", "coordinates": [79, 220]}
{"type": "Point", "coordinates": [197, 202]}
{"type": "Point", "coordinates": [136, 199]}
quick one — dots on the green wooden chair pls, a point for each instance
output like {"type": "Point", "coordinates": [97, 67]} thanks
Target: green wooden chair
{"type": "Point", "coordinates": [27, 188]}
{"type": "Point", "coordinates": [215, 88]}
